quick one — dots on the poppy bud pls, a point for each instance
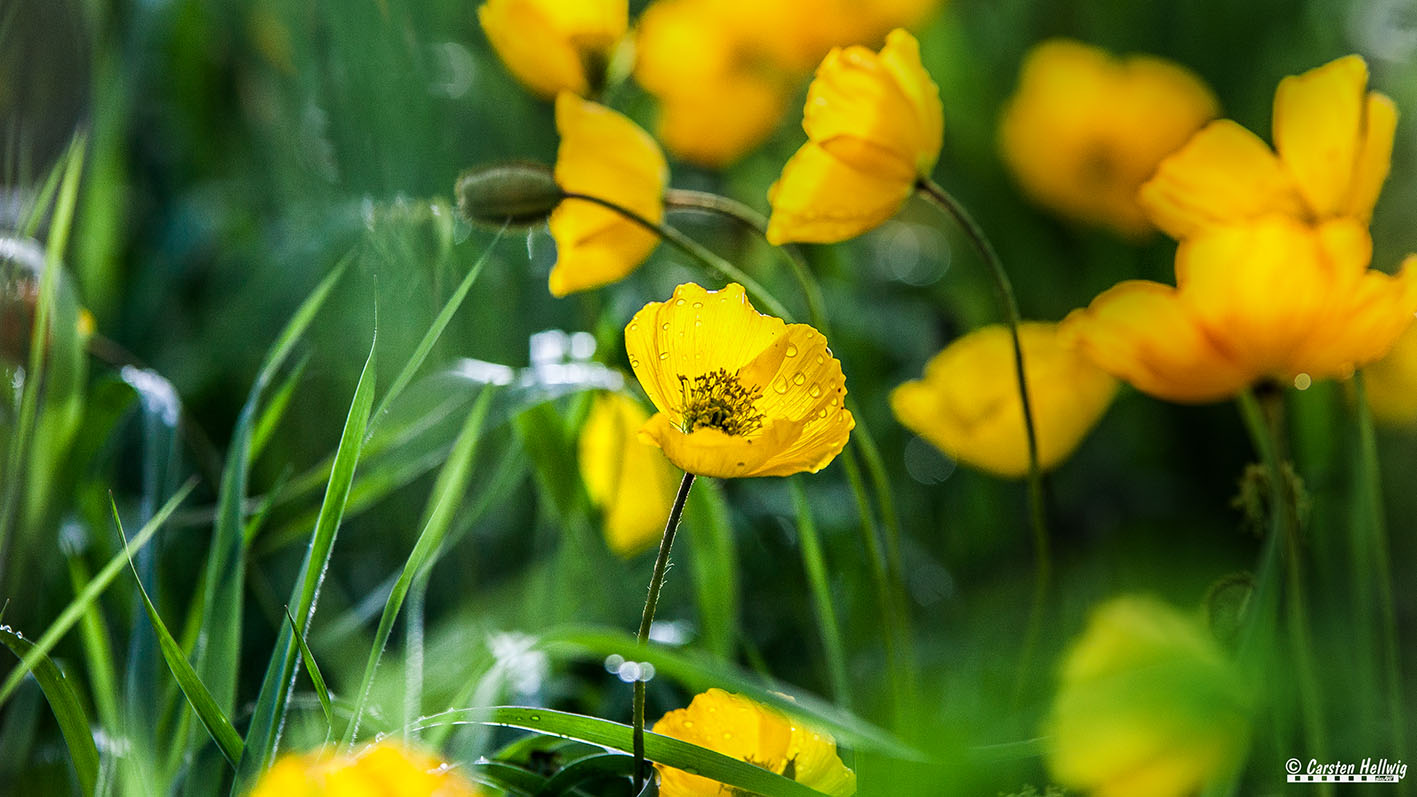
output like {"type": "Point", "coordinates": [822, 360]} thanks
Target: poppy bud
{"type": "Point", "coordinates": [520, 194]}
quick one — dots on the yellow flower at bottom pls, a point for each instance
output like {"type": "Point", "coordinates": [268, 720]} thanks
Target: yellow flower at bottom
{"type": "Point", "coordinates": [1272, 300]}
{"type": "Point", "coordinates": [383, 770]}
{"type": "Point", "coordinates": [1085, 129]}
{"type": "Point", "coordinates": [605, 155]}
{"type": "Point", "coordinates": [631, 482]}
{"type": "Point", "coordinates": [874, 126]}
{"type": "Point", "coordinates": [739, 393]}
{"type": "Point", "coordinates": [748, 731]}
{"type": "Point", "coordinates": [968, 403]}
{"type": "Point", "coordinates": [1147, 704]}
{"type": "Point", "coordinates": [555, 45]}
{"type": "Point", "coordinates": [1392, 382]}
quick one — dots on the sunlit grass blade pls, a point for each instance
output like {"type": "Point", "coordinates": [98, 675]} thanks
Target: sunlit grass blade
{"type": "Point", "coordinates": [271, 704]}
{"type": "Point", "coordinates": [816, 567]}
{"type": "Point", "coordinates": [220, 627]}
{"type": "Point", "coordinates": [321, 690]}
{"type": "Point", "coordinates": [660, 749]}
{"type": "Point", "coordinates": [92, 590]}
{"type": "Point", "coordinates": [699, 672]}
{"type": "Point", "coordinates": [443, 504]}
{"type": "Point", "coordinates": [63, 701]}
{"type": "Point", "coordinates": [212, 717]}
{"type": "Point", "coordinates": [713, 561]}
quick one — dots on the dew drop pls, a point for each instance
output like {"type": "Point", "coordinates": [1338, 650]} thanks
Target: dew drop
{"type": "Point", "coordinates": [698, 322]}
{"type": "Point", "coordinates": [815, 390]}
{"type": "Point", "coordinates": [780, 385]}
{"type": "Point", "coordinates": [678, 302]}
{"type": "Point", "coordinates": [664, 355]}
{"type": "Point", "coordinates": [664, 326]}
{"type": "Point", "coordinates": [536, 718]}
{"type": "Point", "coordinates": [833, 401]}
{"type": "Point", "coordinates": [798, 379]}
{"type": "Point", "coordinates": [791, 350]}
{"type": "Point", "coordinates": [634, 325]}
{"type": "Point", "coordinates": [822, 413]}
{"type": "Point", "coordinates": [821, 359]}
{"type": "Point", "coordinates": [634, 362]}
{"type": "Point", "coordinates": [698, 305]}
{"type": "Point", "coordinates": [688, 723]}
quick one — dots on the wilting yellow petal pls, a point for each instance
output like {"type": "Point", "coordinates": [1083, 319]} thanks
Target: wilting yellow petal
{"type": "Point", "coordinates": [740, 728]}
{"type": "Point", "coordinates": [1392, 382]}
{"type": "Point", "coordinates": [1318, 130]}
{"type": "Point", "coordinates": [605, 155]}
{"type": "Point", "coordinates": [968, 403]}
{"type": "Point", "coordinates": [779, 408]}
{"type": "Point", "coordinates": [821, 199]}
{"type": "Point", "coordinates": [382, 770]}
{"type": "Point", "coordinates": [1223, 175]}
{"type": "Point", "coordinates": [632, 483]}
{"type": "Point", "coordinates": [1147, 704]}
{"type": "Point", "coordinates": [548, 44]}
{"type": "Point", "coordinates": [1084, 130]}
{"type": "Point", "coordinates": [1374, 159]}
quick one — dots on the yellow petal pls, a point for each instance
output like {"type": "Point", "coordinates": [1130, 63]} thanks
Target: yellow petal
{"type": "Point", "coordinates": [819, 199]}
{"type": "Point", "coordinates": [632, 483]}
{"type": "Point", "coordinates": [714, 124]}
{"type": "Point", "coordinates": [1319, 129]}
{"type": "Point", "coordinates": [1366, 323]}
{"type": "Point", "coordinates": [381, 770]}
{"type": "Point", "coordinates": [1141, 332]}
{"type": "Point", "coordinates": [1374, 159]}
{"type": "Point", "coordinates": [815, 763]}
{"type": "Point", "coordinates": [1392, 382]}
{"type": "Point", "coordinates": [1224, 174]}
{"type": "Point", "coordinates": [901, 57]}
{"type": "Point", "coordinates": [591, 260]}
{"type": "Point", "coordinates": [710, 452]}
{"type": "Point", "coordinates": [968, 403]}
{"type": "Point", "coordinates": [545, 43]}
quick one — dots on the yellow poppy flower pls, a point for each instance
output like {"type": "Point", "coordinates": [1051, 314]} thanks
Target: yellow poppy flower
{"type": "Point", "coordinates": [1147, 704]}
{"type": "Point", "coordinates": [1274, 299]}
{"type": "Point", "coordinates": [605, 155]}
{"type": "Point", "coordinates": [1334, 146]}
{"type": "Point", "coordinates": [555, 45]}
{"type": "Point", "coordinates": [631, 482]}
{"type": "Point", "coordinates": [1084, 130]}
{"type": "Point", "coordinates": [739, 393]}
{"type": "Point", "coordinates": [749, 731]}
{"type": "Point", "coordinates": [383, 770]}
{"type": "Point", "coordinates": [968, 403]}
{"type": "Point", "coordinates": [1392, 382]}
{"type": "Point", "coordinates": [874, 127]}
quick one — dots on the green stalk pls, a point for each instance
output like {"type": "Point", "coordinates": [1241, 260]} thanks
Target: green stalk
{"type": "Point", "coordinates": [656, 582]}
{"type": "Point", "coordinates": [815, 565]}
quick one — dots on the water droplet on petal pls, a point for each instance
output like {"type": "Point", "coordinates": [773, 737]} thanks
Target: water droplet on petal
{"type": "Point", "coordinates": [678, 302]}
{"type": "Point", "coordinates": [798, 379]}
{"type": "Point", "coordinates": [780, 385]}
{"type": "Point", "coordinates": [791, 350]}
{"type": "Point", "coordinates": [664, 355]}
{"type": "Point", "coordinates": [698, 305]}
{"type": "Point", "coordinates": [822, 413]}
{"type": "Point", "coordinates": [664, 326]}
{"type": "Point", "coordinates": [821, 359]}
{"type": "Point", "coordinates": [815, 390]}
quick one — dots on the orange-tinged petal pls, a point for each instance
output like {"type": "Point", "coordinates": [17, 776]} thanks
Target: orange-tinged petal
{"type": "Point", "coordinates": [820, 199]}
{"type": "Point", "coordinates": [1374, 159]}
{"type": "Point", "coordinates": [968, 406]}
{"type": "Point", "coordinates": [1223, 175]}
{"type": "Point", "coordinates": [631, 482]}
{"type": "Point", "coordinates": [1141, 332]}
{"type": "Point", "coordinates": [1318, 130]}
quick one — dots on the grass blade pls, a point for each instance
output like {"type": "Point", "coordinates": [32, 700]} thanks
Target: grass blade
{"type": "Point", "coordinates": [321, 691]}
{"type": "Point", "coordinates": [661, 749]}
{"type": "Point", "coordinates": [264, 733]}
{"type": "Point", "coordinates": [452, 483]}
{"type": "Point", "coordinates": [815, 565]}
{"type": "Point", "coordinates": [212, 717]}
{"type": "Point", "coordinates": [713, 563]}
{"type": "Point", "coordinates": [68, 711]}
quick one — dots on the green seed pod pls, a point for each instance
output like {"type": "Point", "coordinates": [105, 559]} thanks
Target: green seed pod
{"type": "Point", "coordinates": [520, 194]}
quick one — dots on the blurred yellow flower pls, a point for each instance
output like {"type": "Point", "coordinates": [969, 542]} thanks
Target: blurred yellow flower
{"type": "Point", "coordinates": [605, 155]}
{"type": "Point", "coordinates": [383, 770]}
{"type": "Point", "coordinates": [748, 731]}
{"type": "Point", "coordinates": [738, 393]}
{"type": "Point", "coordinates": [1392, 382]}
{"type": "Point", "coordinates": [1334, 142]}
{"type": "Point", "coordinates": [968, 404]}
{"type": "Point", "coordinates": [555, 45]}
{"type": "Point", "coordinates": [1275, 299]}
{"type": "Point", "coordinates": [1084, 130]}
{"type": "Point", "coordinates": [874, 126]}
{"type": "Point", "coordinates": [1147, 704]}
{"type": "Point", "coordinates": [631, 481]}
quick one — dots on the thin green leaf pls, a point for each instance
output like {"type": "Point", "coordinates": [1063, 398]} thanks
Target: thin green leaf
{"type": "Point", "coordinates": [508, 777]}
{"type": "Point", "coordinates": [443, 504]}
{"type": "Point", "coordinates": [321, 691]}
{"type": "Point", "coordinates": [713, 563]}
{"type": "Point", "coordinates": [815, 565]}
{"type": "Point", "coordinates": [216, 722]}
{"type": "Point", "coordinates": [271, 704]}
{"type": "Point", "coordinates": [73, 722]}
{"type": "Point", "coordinates": [275, 409]}
{"type": "Point", "coordinates": [604, 765]}
{"type": "Point", "coordinates": [92, 590]}
{"type": "Point", "coordinates": [660, 749]}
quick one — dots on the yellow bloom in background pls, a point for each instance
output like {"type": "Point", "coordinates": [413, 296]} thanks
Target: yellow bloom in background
{"type": "Point", "coordinates": [1392, 382]}
{"type": "Point", "coordinates": [967, 405]}
{"type": "Point", "coordinates": [555, 45]}
{"type": "Point", "coordinates": [630, 480]}
{"type": "Point", "coordinates": [748, 731]}
{"type": "Point", "coordinates": [739, 393]}
{"type": "Point", "coordinates": [383, 770]}
{"type": "Point", "coordinates": [874, 126]}
{"type": "Point", "coordinates": [1334, 146]}
{"type": "Point", "coordinates": [1147, 704]}
{"type": "Point", "coordinates": [605, 155]}
{"type": "Point", "coordinates": [1276, 299]}
{"type": "Point", "coordinates": [1085, 129]}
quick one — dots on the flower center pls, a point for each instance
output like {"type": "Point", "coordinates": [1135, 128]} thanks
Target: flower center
{"type": "Point", "coordinates": [718, 400]}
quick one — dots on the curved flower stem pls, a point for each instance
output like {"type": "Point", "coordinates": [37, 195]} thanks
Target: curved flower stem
{"type": "Point", "coordinates": [683, 199]}
{"type": "Point", "coordinates": [656, 581]}
{"type": "Point", "coordinates": [951, 207]}
{"type": "Point", "coordinates": [693, 249]}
